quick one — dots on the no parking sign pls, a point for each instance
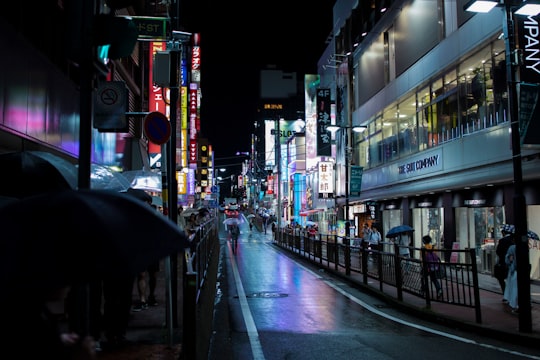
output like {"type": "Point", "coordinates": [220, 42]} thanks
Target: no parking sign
{"type": "Point", "coordinates": [157, 128]}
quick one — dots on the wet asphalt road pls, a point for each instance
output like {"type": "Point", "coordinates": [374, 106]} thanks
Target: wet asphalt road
{"type": "Point", "coordinates": [273, 306]}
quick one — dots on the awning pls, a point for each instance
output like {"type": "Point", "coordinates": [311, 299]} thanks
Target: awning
{"type": "Point", "coordinates": [310, 212]}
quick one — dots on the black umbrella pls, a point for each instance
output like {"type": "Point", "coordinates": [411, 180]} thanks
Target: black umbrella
{"type": "Point", "coordinates": [72, 236]}
{"type": "Point", "coordinates": [399, 230]}
{"type": "Point", "coordinates": [140, 195]}
{"type": "Point", "coordinates": [27, 173]}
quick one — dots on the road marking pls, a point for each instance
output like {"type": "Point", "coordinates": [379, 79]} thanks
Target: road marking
{"type": "Point", "coordinates": [407, 323]}
{"type": "Point", "coordinates": [253, 334]}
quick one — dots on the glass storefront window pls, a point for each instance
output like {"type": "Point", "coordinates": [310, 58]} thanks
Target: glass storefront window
{"type": "Point", "coordinates": [361, 149]}
{"type": "Point", "coordinates": [424, 97]}
{"type": "Point", "coordinates": [408, 135]}
{"type": "Point", "coordinates": [389, 145]}
{"type": "Point", "coordinates": [390, 218]}
{"type": "Point", "coordinates": [467, 98]}
{"type": "Point", "coordinates": [375, 138]}
{"type": "Point", "coordinates": [477, 228]}
{"type": "Point", "coordinates": [428, 221]}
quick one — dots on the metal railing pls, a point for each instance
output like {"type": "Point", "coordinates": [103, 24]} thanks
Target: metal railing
{"type": "Point", "coordinates": [459, 280]}
{"type": "Point", "coordinates": [199, 286]}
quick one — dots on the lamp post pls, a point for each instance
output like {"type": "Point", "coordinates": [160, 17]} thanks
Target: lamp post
{"type": "Point", "coordinates": [348, 150]}
{"type": "Point", "coordinates": [511, 8]}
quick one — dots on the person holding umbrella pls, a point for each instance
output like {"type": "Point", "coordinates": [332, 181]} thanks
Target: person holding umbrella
{"type": "Point", "coordinates": [251, 218]}
{"type": "Point", "coordinates": [401, 235]}
{"type": "Point", "coordinates": [403, 242]}
{"type": "Point", "coordinates": [84, 236]}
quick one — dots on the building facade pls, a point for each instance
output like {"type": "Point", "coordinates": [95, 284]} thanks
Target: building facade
{"type": "Point", "coordinates": [428, 80]}
{"type": "Point", "coordinates": [48, 102]}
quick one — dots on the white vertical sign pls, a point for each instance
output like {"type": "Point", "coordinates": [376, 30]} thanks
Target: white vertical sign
{"type": "Point", "coordinates": [326, 177]}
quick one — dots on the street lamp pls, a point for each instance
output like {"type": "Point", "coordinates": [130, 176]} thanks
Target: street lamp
{"type": "Point", "coordinates": [520, 209]}
{"type": "Point", "coordinates": [348, 149]}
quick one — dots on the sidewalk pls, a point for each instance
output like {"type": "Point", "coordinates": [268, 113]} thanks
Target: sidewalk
{"type": "Point", "coordinates": [497, 319]}
{"type": "Point", "coordinates": [147, 333]}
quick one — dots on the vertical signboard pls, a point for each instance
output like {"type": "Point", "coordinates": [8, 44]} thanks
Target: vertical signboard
{"type": "Point", "coordinates": [270, 185]}
{"type": "Point", "coordinates": [191, 182]}
{"type": "Point", "coordinates": [156, 98]}
{"type": "Point", "coordinates": [192, 122]}
{"type": "Point", "coordinates": [196, 59]}
{"type": "Point", "coordinates": [529, 44]}
{"type": "Point", "coordinates": [184, 126]}
{"type": "Point", "coordinates": [310, 95]}
{"type": "Point", "coordinates": [324, 143]}
{"type": "Point", "coordinates": [529, 74]}
{"type": "Point", "coordinates": [356, 179]}
{"type": "Point", "coordinates": [326, 179]}
{"type": "Point", "coordinates": [204, 162]}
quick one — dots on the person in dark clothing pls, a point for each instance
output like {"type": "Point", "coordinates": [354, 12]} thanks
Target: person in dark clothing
{"type": "Point", "coordinates": [433, 264]}
{"type": "Point", "coordinates": [502, 247]}
{"type": "Point", "coordinates": [117, 295]}
{"type": "Point", "coordinates": [35, 331]}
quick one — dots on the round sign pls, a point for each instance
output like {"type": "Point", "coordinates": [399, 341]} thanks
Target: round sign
{"type": "Point", "coordinates": [157, 128]}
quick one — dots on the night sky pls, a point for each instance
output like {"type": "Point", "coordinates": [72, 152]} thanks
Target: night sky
{"type": "Point", "coordinates": [236, 42]}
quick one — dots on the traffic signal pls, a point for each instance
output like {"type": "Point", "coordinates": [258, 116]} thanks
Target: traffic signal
{"type": "Point", "coordinates": [115, 36]}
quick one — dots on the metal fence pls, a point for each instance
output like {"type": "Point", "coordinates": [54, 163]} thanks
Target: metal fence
{"type": "Point", "coordinates": [199, 287]}
{"type": "Point", "coordinates": [458, 278]}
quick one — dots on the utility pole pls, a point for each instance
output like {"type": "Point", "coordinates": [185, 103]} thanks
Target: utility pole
{"type": "Point", "coordinates": [520, 207]}
{"type": "Point", "coordinates": [253, 183]}
{"type": "Point", "coordinates": [278, 169]}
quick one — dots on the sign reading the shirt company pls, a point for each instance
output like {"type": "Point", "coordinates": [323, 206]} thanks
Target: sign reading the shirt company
{"type": "Point", "coordinates": [323, 120]}
{"type": "Point", "coordinates": [420, 165]}
{"type": "Point", "coordinates": [326, 178]}
{"type": "Point", "coordinates": [529, 42]}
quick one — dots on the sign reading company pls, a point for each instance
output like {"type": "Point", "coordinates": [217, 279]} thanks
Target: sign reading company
{"type": "Point", "coordinates": [421, 165]}
{"type": "Point", "coordinates": [529, 41]}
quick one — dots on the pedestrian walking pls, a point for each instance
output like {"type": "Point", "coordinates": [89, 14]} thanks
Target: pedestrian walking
{"type": "Point", "coordinates": [501, 269]}
{"type": "Point", "coordinates": [374, 241]}
{"type": "Point", "coordinates": [265, 222]}
{"type": "Point", "coordinates": [146, 288]}
{"type": "Point", "coordinates": [511, 290]}
{"type": "Point", "coordinates": [181, 220]}
{"type": "Point", "coordinates": [404, 252]}
{"type": "Point", "coordinates": [432, 265]}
